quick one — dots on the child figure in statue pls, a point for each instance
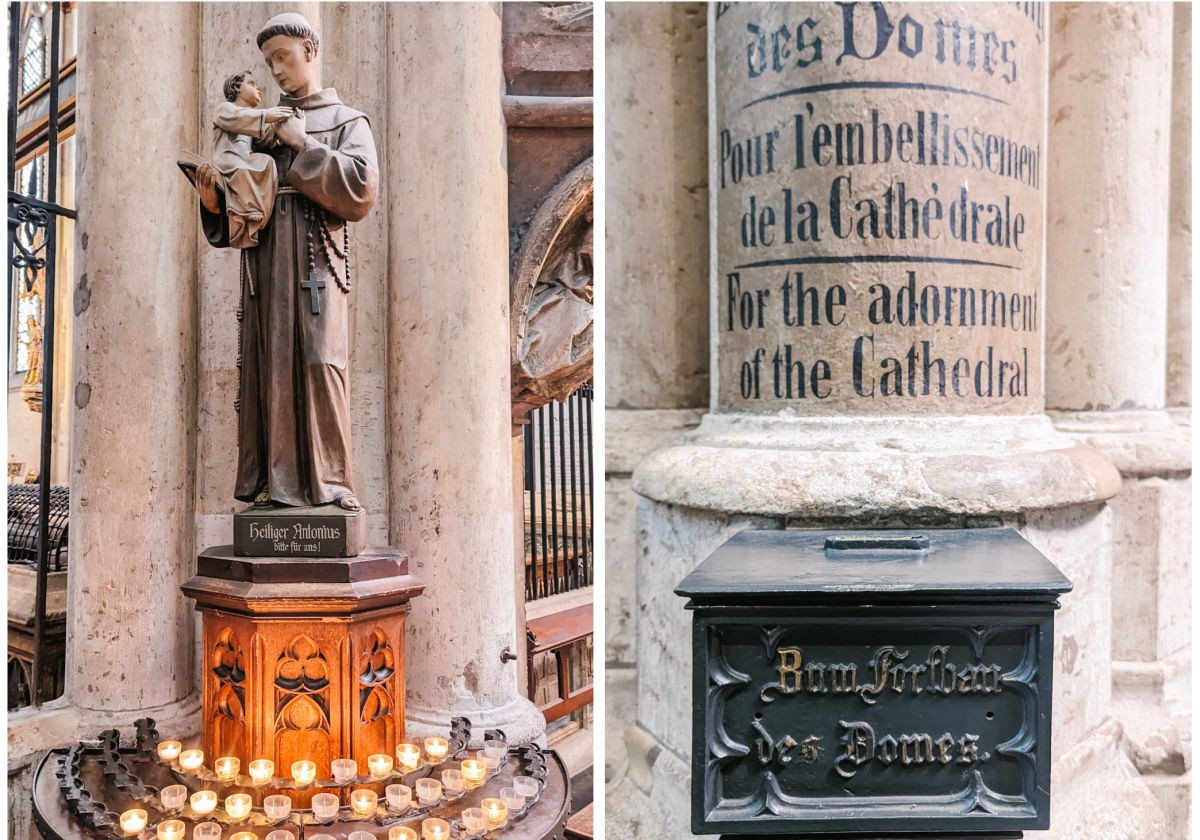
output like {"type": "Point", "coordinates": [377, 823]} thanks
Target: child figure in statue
{"type": "Point", "coordinates": [249, 177]}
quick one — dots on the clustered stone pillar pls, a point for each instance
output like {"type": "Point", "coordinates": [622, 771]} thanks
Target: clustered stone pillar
{"type": "Point", "coordinates": [450, 470]}
{"type": "Point", "coordinates": [1115, 258]}
{"type": "Point", "coordinates": [130, 628]}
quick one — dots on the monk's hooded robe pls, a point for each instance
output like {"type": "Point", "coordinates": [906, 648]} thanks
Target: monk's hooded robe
{"type": "Point", "coordinates": [293, 391]}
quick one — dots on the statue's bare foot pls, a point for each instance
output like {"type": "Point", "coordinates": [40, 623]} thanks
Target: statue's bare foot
{"type": "Point", "coordinates": [348, 502]}
{"type": "Point", "coordinates": [262, 497]}
{"type": "Point", "coordinates": [254, 218]}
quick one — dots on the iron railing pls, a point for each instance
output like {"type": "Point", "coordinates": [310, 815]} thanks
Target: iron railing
{"type": "Point", "coordinates": [32, 251]}
{"type": "Point", "coordinates": [558, 496]}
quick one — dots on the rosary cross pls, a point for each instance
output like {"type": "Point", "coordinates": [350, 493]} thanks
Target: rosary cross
{"type": "Point", "coordinates": [313, 284]}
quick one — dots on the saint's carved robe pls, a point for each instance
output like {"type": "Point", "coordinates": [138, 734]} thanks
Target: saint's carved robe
{"type": "Point", "coordinates": [293, 390]}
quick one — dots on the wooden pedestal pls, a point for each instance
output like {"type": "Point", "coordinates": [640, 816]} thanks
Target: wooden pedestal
{"type": "Point", "coordinates": [303, 658]}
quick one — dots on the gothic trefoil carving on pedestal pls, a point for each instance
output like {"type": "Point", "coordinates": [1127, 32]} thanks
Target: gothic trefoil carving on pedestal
{"type": "Point", "coordinates": [302, 683]}
{"type": "Point", "coordinates": [375, 697]}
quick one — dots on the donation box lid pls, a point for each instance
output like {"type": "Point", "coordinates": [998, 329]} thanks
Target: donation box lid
{"type": "Point", "coordinates": [993, 565]}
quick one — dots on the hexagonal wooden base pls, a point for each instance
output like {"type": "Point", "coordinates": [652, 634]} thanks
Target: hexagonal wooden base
{"type": "Point", "coordinates": [303, 658]}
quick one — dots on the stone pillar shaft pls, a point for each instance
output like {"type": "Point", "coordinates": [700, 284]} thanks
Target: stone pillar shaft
{"type": "Point", "coordinates": [134, 388]}
{"type": "Point", "coordinates": [1106, 259]}
{"type": "Point", "coordinates": [450, 467]}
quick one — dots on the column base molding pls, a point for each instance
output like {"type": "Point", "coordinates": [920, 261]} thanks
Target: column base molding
{"type": "Point", "coordinates": [1140, 443]}
{"type": "Point", "coordinates": [857, 467]}
{"type": "Point", "coordinates": [520, 719]}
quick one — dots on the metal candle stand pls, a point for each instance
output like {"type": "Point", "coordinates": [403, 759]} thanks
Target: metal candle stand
{"type": "Point", "coordinates": [79, 789]}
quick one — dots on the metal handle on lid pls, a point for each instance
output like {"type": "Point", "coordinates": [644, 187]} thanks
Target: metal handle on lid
{"type": "Point", "coordinates": [860, 543]}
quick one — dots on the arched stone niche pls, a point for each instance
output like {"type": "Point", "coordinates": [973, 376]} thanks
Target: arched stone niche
{"type": "Point", "coordinates": [552, 296]}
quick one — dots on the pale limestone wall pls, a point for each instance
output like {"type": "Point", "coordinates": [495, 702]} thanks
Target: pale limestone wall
{"type": "Point", "coordinates": [656, 370]}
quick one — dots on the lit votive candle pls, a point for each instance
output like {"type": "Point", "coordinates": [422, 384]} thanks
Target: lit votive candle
{"type": "Point", "coordinates": [133, 820]}
{"type": "Point", "coordinates": [277, 806]}
{"type": "Point", "coordinates": [169, 750]}
{"type": "Point", "coordinates": [527, 786]}
{"type": "Point", "coordinates": [244, 835]}
{"type": "Point", "coordinates": [408, 756]}
{"type": "Point", "coordinates": [380, 764]}
{"type": "Point", "coordinates": [238, 805]}
{"type": "Point", "coordinates": [262, 770]}
{"type": "Point", "coordinates": [398, 796]}
{"type": "Point", "coordinates": [472, 820]}
{"type": "Point", "coordinates": [207, 831]}
{"type": "Point", "coordinates": [204, 801]}
{"type": "Point", "coordinates": [325, 806]}
{"type": "Point", "coordinates": [435, 749]}
{"type": "Point", "coordinates": [364, 802]}
{"type": "Point", "coordinates": [303, 772]}
{"type": "Point", "coordinates": [435, 829]}
{"type": "Point", "coordinates": [172, 797]}
{"type": "Point", "coordinates": [191, 759]}
{"type": "Point", "coordinates": [280, 834]}
{"type": "Point", "coordinates": [474, 771]}
{"type": "Point", "coordinates": [512, 799]}
{"type": "Point", "coordinates": [344, 770]}
{"type": "Point", "coordinates": [495, 813]}
{"type": "Point", "coordinates": [171, 830]}
{"type": "Point", "coordinates": [429, 791]}
{"type": "Point", "coordinates": [402, 832]}
{"type": "Point", "coordinates": [227, 768]}
{"type": "Point", "coordinates": [452, 781]}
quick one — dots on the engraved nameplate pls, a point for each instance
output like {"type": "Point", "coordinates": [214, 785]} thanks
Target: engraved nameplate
{"type": "Point", "coordinates": [325, 531]}
{"type": "Point", "coordinates": [870, 723]}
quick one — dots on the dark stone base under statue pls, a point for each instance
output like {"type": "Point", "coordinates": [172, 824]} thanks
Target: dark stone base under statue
{"type": "Point", "coordinates": [281, 531]}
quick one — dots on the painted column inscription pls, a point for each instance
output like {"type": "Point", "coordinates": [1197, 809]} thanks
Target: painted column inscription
{"type": "Point", "coordinates": [878, 173]}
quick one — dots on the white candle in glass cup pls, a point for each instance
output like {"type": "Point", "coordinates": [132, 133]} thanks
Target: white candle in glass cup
{"type": "Point", "coordinates": [408, 756]}
{"type": "Point", "coordinates": [495, 812]}
{"type": "Point", "coordinates": [237, 806]}
{"type": "Point", "coordinates": [452, 781]}
{"type": "Point", "coordinates": [435, 829]}
{"type": "Point", "coordinates": [361, 835]}
{"type": "Point", "coordinates": [429, 791]}
{"type": "Point", "coordinates": [280, 834]}
{"type": "Point", "coordinates": [472, 820]}
{"type": "Point", "coordinates": [474, 771]}
{"type": "Point", "coordinates": [203, 801]}
{"type": "Point", "coordinates": [527, 786]}
{"type": "Point", "coordinates": [436, 749]}
{"type": "Point", "coordinates": [171, 830]}
{"type": "Point", "coordinates": [262, 770]}
{"type": "Point", "coordinates": [133, 820]}
{"type": "Point", "coordinates": [169, 750]}
{"type": "Point", "coordinates": [173, 797]}
{"type": "Point", "coordinates": [402, 832]}
{"type": "Point", "coordinates": [191, 759]}
{"type": "Point", "coordinates": [344, 770]}
{"type": "Point", "coordinates": [304, 772]}
{"type": "Point", "coordinates": [322, 837]}
{"type": "Point", "coordinates": [364, 802]}
{"type": "Point", "coordinates": [398, 796]}
{"type": "Point", "coordinates": [277, 806]}
{"type": "Point", "coordinates": [493, 753]}
{"type": "Point", "coordinates": [227, 768]}
{"type": "Point", "coordinates": [379, 764]}
{"type": "Point", "coordinates": [512, 799]}
{"type": "Point", "coordinates": [244, 835]}
{"type": "Point", "coordinates": [207, 831]}
{"type": "Point", "coordinates": [325, 806]}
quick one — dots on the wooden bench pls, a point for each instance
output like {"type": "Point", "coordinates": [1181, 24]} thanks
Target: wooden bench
{"type": "Point", "coordinates": [554, 633]}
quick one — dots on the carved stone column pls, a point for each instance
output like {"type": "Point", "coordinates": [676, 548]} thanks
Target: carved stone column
{"type": "Point", "coordinates": [450, 465]}
{"type": "Point", "coordinates": [877, 308]}
{"type": "Point", "coordinates": [134, 387]}
{"type": "Point", "coordinates": [1117, 279]}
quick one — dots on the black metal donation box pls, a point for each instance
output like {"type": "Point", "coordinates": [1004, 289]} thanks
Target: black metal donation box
{"type": "Point", "coordinates": [872, 682]}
